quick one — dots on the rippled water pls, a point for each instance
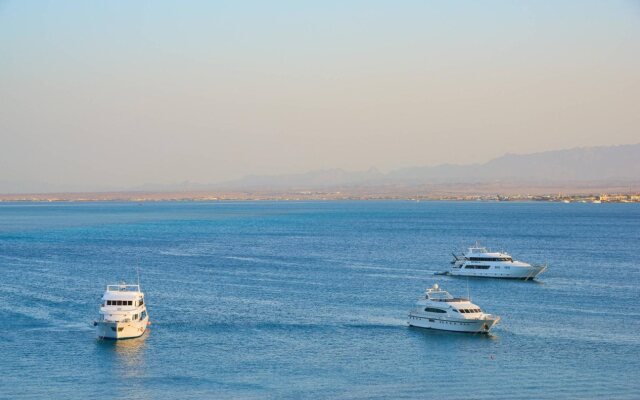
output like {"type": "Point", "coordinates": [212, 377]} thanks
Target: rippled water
{"type": "Point", "coordinates": [309, 299]}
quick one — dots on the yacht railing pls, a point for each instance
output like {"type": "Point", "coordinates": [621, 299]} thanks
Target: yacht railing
{"type": "Point", "coordinates": [123, 288]}
{"type": "Point", "coordinates": [452, 300]}
{"type": "Point", "coordinates": [113, 321]}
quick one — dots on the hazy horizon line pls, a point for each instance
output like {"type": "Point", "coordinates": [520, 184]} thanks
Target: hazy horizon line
{"type": "Point", "coordinates": [189, 185]}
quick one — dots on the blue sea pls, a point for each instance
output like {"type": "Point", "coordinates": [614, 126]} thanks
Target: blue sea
{"type": "Point", "coordinates": [288, 300]}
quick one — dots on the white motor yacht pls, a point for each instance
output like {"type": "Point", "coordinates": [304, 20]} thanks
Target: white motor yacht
{"type": "Point", "coordinates": [123, 313]}
{"type": "Point", "coordinates": [479, 261]}
{"type": "Point", "coordinates": [437, 309]}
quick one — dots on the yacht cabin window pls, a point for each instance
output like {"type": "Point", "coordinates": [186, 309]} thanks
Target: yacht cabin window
{"type": "Point", "coordinates": [119, 302]}
{"type": "Point", "coordinates": [434, 310]}
{"type": "Point", "coordinates": [490, 259]}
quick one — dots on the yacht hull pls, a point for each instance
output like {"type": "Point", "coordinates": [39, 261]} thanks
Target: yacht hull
{"type": "Point", "coordinates": [457, 325]}
{"type": "Point", "coordinates": [524, 273]}
{"type": "Point", "coordinates": [120, 330]}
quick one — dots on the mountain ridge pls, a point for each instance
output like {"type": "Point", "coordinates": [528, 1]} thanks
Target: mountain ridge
{"type": "Point", "coordinates": [576, 165]}
{"type": "Point", "coordinates": [600, 166]}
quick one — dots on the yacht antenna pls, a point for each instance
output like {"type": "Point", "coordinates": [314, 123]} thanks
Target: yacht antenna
{"type": "Point", "coordinates": [468, 292]}
{"type": "Point", "coordinates": [138, 273]}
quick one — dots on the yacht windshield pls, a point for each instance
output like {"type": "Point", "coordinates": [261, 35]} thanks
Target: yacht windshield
{"type": "Point", "coordinates": [119, 302]}
{"type": "Point", "coordinates": [479, 250]}
{"type": "Point", "coordinates": [440, 295]}
{"type": "Point", "coordinates": [489, 258]}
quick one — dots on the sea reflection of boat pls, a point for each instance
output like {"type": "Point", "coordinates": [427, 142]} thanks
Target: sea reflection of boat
{"type": "Point", "coordinates": [129, 352]}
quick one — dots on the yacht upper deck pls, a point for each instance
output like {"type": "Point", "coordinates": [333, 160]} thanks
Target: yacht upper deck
{"type": "Point", "coordinates": [122, 291]}
{"type": "Point", "coordinates": [452, 300]}
{"type": "Point", "coordinates": [123, 287]}
{"type": "Point", "coordinates": [478, 253]}
{"type": "Point", "coordinates": [436, 294]}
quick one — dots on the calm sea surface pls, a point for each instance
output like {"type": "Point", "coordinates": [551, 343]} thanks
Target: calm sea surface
{"type": "Point", "coordinates": [309, 299]}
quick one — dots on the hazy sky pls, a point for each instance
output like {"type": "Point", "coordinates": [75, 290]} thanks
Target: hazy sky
{"type": "Point", "coordinates": [122, 93]}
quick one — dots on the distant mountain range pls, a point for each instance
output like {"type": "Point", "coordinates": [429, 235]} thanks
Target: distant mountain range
{"type": "Point", "coordinates": [611, 164]}
{"type": "Point", "coordinates": [615, 167]}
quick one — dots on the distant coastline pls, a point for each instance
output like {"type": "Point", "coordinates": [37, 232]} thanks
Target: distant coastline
{"type": "Point", "coordinates": [534, 194]}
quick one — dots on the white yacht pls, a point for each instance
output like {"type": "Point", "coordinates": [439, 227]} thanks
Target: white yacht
{"type": "Point", "coordinates": [123, 314]}
{"type": "Point", "coordinates": [437, 309]}
{"type": "Point", "coordinates": [479, 261]}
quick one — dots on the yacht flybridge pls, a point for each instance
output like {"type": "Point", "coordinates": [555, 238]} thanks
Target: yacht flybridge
{"type": "Point", "coordinates": [437, 309]}
{"type": "Point", "coordinates": [123, 314]}
{"type": "Point", "coordinates": [479, 261]}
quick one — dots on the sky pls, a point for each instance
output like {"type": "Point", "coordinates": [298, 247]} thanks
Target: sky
{"type": "Point", "coordinates": [104, 95]}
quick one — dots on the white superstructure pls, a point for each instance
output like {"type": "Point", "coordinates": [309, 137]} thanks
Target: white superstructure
{"type": "Point", "coordinates": [437, 309]}
{"type": "Point", "coordinates": [479, 261]}
{"type": "Point", "coordinates": [123, 313]}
